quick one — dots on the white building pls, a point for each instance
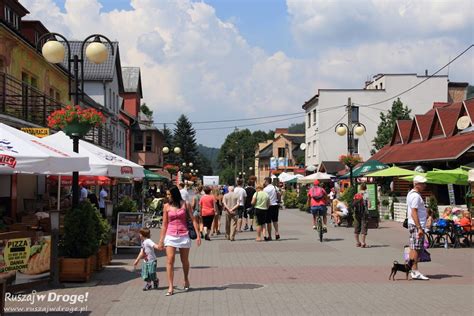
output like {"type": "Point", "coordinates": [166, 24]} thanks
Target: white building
{"type": "Point", "coordinates": [328, 107]}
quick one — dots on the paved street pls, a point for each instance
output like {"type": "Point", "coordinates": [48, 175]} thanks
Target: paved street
{"type": "Point", "coordinates": [296, 275]}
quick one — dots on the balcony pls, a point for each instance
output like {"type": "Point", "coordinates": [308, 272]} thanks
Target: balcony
{"type": "Point", "coordinates": [24, 102]}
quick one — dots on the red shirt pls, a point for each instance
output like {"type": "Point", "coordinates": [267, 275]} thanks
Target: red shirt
{"type": "Point", "coordinates": [207, 205]}
{"type": "Point", "coordinates": [313, 192]}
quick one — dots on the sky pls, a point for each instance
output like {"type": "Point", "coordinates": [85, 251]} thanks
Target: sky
{"type": "Point", "coordinates": [216, 60]}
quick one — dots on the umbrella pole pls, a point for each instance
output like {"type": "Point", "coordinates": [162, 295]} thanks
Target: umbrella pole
{"type": "Point", "coordinates": [59, 192]}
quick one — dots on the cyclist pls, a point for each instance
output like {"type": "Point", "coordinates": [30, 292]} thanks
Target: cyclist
{"type": "Point", "coordinates": [317, 199]}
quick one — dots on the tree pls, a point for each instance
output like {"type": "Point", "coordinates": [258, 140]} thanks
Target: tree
{"type": "Point", "coordinates": [146, 110]}
{"type": "Point", "coordinates": [185, 138]}
{"type": "Point", "coordinates": [168, 142]}
{"type": "Point", "coordinates": [388, 121]}
{"type": "Point", "coordinates": [296, 128]}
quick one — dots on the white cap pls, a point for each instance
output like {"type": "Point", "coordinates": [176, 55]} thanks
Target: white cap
{"type": "Point", "coordinates": [419, 179]}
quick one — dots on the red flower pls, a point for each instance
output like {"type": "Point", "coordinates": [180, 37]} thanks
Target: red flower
{"type": "Point", "coordinates": [70, 114]}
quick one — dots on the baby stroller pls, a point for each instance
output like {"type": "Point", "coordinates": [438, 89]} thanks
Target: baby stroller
{"type": "Point", "coordinates": [155, 217]}
{"type": "Point", "coordinates": [440, 232]}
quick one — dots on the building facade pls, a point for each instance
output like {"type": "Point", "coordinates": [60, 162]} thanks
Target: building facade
{"type": "Point", "coordinates": [329, 107]}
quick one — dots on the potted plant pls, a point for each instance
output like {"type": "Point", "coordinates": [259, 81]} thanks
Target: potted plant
{"type": "Point", "coordinates": [350, 160]}
{"type": "Point", "coordinates": [79, 243]}
{"type": "Point", "coordinates": [103, 230]}
{"type": "Point", "coordinates": [74, 120]}
{"type": "Point", "coordinates": [126, 204]}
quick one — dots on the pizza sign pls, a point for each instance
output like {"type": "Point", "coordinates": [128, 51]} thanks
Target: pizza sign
{"type": "Point", "coordinates": [7, 160]}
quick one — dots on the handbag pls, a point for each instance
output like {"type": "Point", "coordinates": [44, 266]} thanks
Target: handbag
{"type": "Point", "coordinates": [405, 223]}
{"type": "Point", "coordinates": [189, 223]}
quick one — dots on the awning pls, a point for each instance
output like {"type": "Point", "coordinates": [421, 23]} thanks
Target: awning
{"type": "Point", "coordinates": [152, 176]}
{"type": "Point", "coordinates": [102, 162]}
{"type": "Point", "coordinates": [22, 152]}
{"type": "Point", "coordinates": [365, 168]}
{"type": "Point", "coordinates": [392, 172]}
{"type": "Point", "coordinates": [84, 180]}
{"type": "Point", "coordinates": [322, 176]}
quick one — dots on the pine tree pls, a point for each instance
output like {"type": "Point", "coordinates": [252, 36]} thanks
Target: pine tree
{"type": "Point", "coordinates": [168, 142]}
{"type": "Point", "coordinates": [388, 121]}
{"type": "Point", "coordinates": [185, 138]}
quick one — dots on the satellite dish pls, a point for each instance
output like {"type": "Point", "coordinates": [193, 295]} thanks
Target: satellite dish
{"type": "Point", "coordinates": [420, 169]}
{"type": "Point", "coordinates": [463, 122]}
{"type": "Point", "coordinates": [303, 146]}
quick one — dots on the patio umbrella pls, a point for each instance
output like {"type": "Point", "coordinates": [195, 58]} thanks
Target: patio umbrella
{"type": "Point", "coordinates": [457, 176]}
{"type": "Point", "coordinates": [84, 180]}
{"type": "Point", "coordinates": [293, 178]}
{"type": "Point", "coordinates": [22, 152]}
{"type": "Point", "coordinates": [151, 176]}
{"type": "Point", "coordinates": [392, 172]}
{"type": "Point", "coordinates": [102, 162]}
{"type": "Point", "coordinates": [322, 176]}
{"type": "Point", "coordinates": [365, 168]}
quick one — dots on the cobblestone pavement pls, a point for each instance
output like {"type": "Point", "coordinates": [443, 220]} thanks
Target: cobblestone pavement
{"type": "Point", "coordinates": [296, 275]}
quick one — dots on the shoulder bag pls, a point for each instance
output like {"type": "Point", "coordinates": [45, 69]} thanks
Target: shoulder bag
{"type": "Point", "coordinates": [189, 223]}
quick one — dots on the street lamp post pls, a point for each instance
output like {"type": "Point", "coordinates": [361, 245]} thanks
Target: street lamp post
{"type": "Point", "coordinates": [350, 129]}
{"type": "Point", "coordinates": [54, 52]}
{"type": "Point", "coordinates": [166, 150]}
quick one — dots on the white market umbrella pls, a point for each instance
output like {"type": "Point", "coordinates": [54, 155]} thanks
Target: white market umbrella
{"type": "Point", "coordinates": [321, 176]}
{"type": "Point", "coordinates": [24, 153]}
{"type": "Point", "coordinates": [283, 177]}
{"type": "Point", "coordinates": [470, 175]}
{"type": "Point", "coordinates": [102, 162]}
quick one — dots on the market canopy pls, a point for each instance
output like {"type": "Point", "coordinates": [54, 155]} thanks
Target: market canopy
{"type": "Point", "coordinates": [322, 176]}
{"type": "Point", "coordinates": [367, 167]}
{"type": "Point", "coordinates": [392, 172]}
{"type": "Point", "coordinates": [457, 176]}
{"type": "Point", "coordinates": [102, 162]}
{"type": "Point", "coordinates": [152, 176]}
{"type": "Point", "coordinates": [22, 152]}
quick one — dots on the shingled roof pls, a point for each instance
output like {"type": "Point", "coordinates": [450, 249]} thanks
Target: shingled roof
{"type": "Point", "coordinates": [98, 72]}
{"type": "Point", "coordinates": [440, 138]}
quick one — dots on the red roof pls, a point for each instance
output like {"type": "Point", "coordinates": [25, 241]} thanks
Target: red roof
{"type": "Point", "coordinates": [436, 149]}
{"type": "Point", "coordinates": [440, 139]}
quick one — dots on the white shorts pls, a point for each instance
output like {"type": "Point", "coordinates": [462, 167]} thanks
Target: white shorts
{"type": "Point", "coordinates": [177, 241]}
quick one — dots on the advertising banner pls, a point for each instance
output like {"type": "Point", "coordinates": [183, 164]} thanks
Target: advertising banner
{"type": "Point", "coordinates": [35, 131]}
{"type": "Point", "coordinates": [128, 229]}
{"type": "Point", "coordinates": [26, 259]}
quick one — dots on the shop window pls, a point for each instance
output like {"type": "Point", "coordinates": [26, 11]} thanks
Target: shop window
{"type": "Point", "coordinates": [281, 152]}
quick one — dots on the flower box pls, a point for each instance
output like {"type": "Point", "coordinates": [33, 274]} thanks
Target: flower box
{"type": "Point", "coordinates": [75, 121]}
{"type": "Point", "coordinates": [102, 257]}
{"type": "Point", "coordinates": [75, 269]}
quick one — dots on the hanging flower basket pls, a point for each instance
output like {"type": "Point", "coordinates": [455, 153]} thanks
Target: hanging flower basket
{"type": "Point", "coordinates": [172, 169]}
{"type": "Point", "coordinates": [75, 121]}
{"type": "Point", "coordinates": [350, 160]}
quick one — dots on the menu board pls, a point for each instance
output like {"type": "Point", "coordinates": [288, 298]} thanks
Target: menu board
{"type": "Point", "coordinates": [128, 229]}
{"type": "Point", "coordinates": [372, 190]}
{"type": "Point", "coordinates": [25, 259]}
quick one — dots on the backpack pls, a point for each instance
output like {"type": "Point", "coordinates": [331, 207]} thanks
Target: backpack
{"type": "Point", "coordinates": [319, 195]}
{"type": "Point", "coordinates": [359, 207]}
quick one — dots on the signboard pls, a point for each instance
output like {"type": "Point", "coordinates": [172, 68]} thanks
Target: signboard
{"type": "Point", "coordinates": [128, 229]}
{"type": "Point", "coordinates": [25, 259]}
{"type": "Point", "coordinates": [38, 132]}
{"type": "Point", "coordinates": [452, 199]}
{"type": "Point", "coordinates": [372, 191]}
{"type": "Point", "coordinates": [210, 180]}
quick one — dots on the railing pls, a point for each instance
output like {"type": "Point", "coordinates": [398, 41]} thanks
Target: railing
{"type": "Point", "coordinates": [25, 102]}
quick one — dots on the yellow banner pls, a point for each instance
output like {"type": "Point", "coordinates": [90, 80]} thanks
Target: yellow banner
{"type": "Point", "coordinates": [36, 131]}
{"type": "Point", "coordinates": [16, 254]}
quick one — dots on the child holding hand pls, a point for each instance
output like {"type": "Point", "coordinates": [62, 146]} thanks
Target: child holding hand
{"type": "Point", "coordinates": [147, 253]}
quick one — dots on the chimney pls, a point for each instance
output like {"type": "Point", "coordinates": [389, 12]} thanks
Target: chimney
{"type": "Point", "coordinates": [426, 72]}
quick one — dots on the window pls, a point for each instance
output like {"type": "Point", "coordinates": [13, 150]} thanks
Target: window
{"type": "Point", "coordinates": [356, 146]}
{"type": "Point", "coordinates": [281, 152]}
{"type": "Point", "coordinates": [138, 142]}
{"type": "Point", "coordinates": [314, 148]}
{"type": "Point", "coordinates": [114, 105]}
{"type": "Point", "coordinates": [25, 78]}
{"type": "Point", "coordinates": [109, 105]}
{"type": "Point", "coordinates": [309, 119]}
{"type": "Point", "coordinates": [314, 117]}
{"type": "Point", "coordinates": [308, 149]}
{"type": "Point", "coordinates": [381, 86]}
{"type": "Point", "coordinates": [34, 81]}
{"type": "Point", "coordinates": [37, 36]}
{"type": "Point", "coordinates": [58, 96]}
{"type": "Point", "coordinates": [117, 101]}
{"type": "Point", "coordinates": [148, 143]}
{"type": "Point", "coordinates": [355, 114]}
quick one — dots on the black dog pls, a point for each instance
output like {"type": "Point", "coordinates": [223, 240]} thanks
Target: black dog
{"type": "Point", "coordinates": [400, 267]}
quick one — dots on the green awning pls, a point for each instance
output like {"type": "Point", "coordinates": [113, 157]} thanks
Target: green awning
{"type": "Point", "coordinates": [151, 176]}
{"type": "Point", "coordinates": [392, 172]}
{"type": "Point", "coordinates": [365, 168]}
{"type": "Point", "coordinates": [457, 176]}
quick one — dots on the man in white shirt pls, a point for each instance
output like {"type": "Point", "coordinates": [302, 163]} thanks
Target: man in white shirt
{"type": "Point", "coordinates": [273, 209]}
{"type": "Point", "coordinates": [241, 209]}
{"type": "Point", "coordinates": [84, 194]}
{"type": "Point", "coordinates": [416, 213]}
{"type": "Point", "coordinates": [102, 195]}
{"type": "Point", "coordinates": [184, 192]}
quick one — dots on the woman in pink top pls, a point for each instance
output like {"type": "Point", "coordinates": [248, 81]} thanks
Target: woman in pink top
{"type": "Point", "coordinates": [174, 234]}
{"type": "Point", "coordinates": [207, 205]}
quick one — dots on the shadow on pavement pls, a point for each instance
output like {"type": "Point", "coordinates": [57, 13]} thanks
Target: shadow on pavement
{"type": "Point", "coordinates": [333, 239]}
{"type": "Point", "coordinates": [236, 286]}
{"type": "Point", "coordinates": [443, 276]}
{"type": "Point", "coordinates": [378, 246]}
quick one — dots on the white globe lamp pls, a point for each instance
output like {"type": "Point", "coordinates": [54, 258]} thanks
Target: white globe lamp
{"type": "Point", "coordinates": [53, 51]}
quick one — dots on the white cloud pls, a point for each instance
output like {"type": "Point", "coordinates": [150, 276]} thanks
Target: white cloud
{"type": "Point", "coordinates": [194, 63]}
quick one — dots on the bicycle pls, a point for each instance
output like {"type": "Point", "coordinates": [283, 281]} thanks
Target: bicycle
{"type": "Point", "coordinates": [319, 228]}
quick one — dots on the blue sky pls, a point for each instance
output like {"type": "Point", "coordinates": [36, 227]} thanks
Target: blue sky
{"type": "Point", "coordinates": [225, 59]}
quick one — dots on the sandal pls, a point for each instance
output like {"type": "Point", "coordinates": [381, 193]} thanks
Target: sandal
{"type": "Point", "coordinates": [169, 293]}
{"type": "Point", "coordinates": [365, 246]}
{"type": "Point", "coordinates": [358, 244]}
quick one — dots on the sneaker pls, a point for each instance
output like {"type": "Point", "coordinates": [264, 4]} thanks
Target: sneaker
{"type": "Point", "coordinates": [277, 236]}
{"type": "Point", "coordinates": [147, 287]}
{"type": "Point", "coordinates": [325, 229]}
{"type": "Point", "coordinates": [314, 227]}
{"type": "Point", "coordinates": [246, 227]}
{"type": "Point", "coordinates": [156, 283]}
{"type": "Point", "coordinates": [418, 276]}
{"type": "Point", "coordinates": [251, 228]}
